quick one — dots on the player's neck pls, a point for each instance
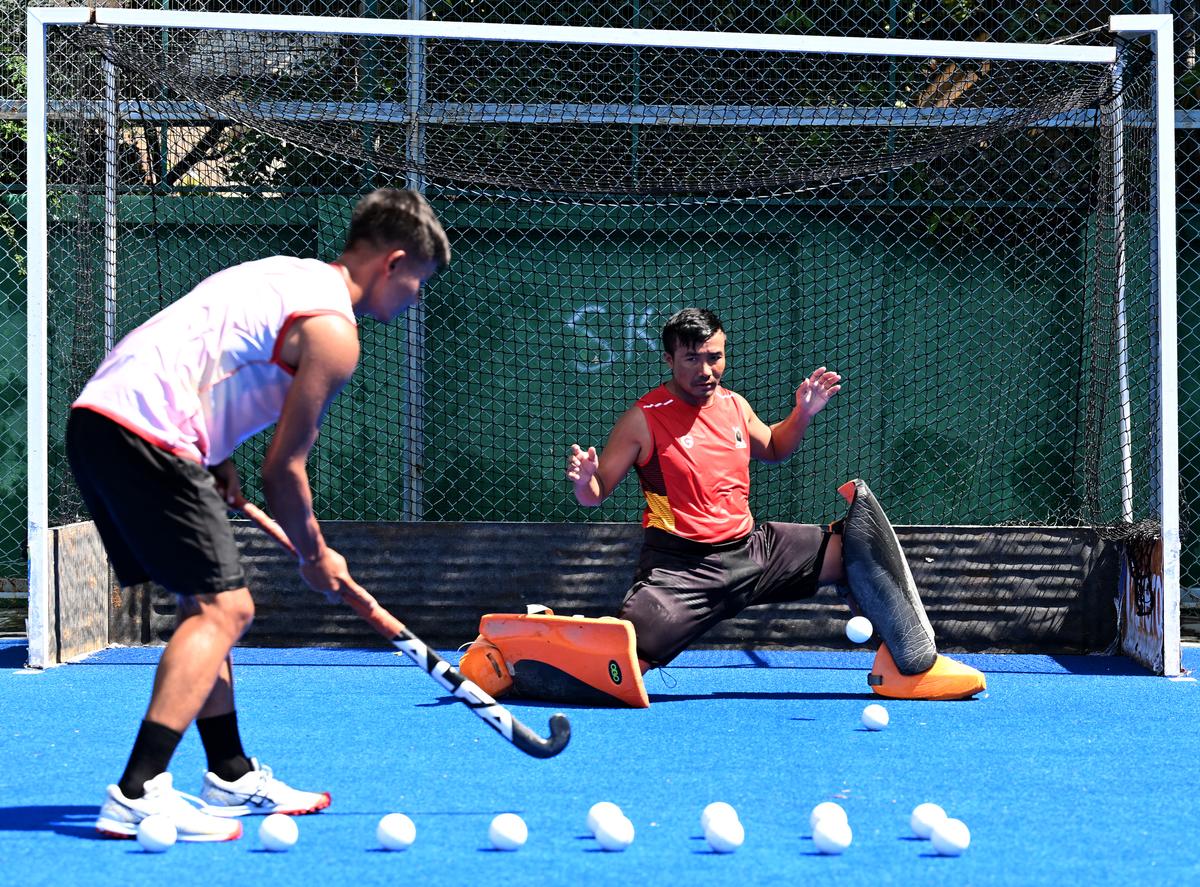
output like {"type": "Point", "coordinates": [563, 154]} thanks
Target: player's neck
{"type": "Point", "coordinates": [689, 397]}
{"type": "Point", "coordinates": [344, 267]}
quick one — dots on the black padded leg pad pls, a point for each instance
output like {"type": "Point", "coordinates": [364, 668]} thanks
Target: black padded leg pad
{"type": "Point", "coordinates": [881, 583]}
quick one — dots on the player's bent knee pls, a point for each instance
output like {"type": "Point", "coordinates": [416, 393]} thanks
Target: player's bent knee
{"type": "Point", "coordinates": [233, 609]}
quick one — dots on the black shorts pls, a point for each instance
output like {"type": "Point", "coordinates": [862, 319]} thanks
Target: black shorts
{"type": "Point", "coordinates": [160, 517]}
{"type": "Point", "coordinates": [684, 588]}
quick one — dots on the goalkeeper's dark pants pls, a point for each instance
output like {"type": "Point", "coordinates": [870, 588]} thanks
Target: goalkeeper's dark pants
{"type": "Point", "coordinates": [683, 588]}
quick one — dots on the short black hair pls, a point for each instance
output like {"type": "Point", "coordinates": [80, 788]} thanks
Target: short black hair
{"type": "Point", "coordinates": [391, 216]}
{"type": "Point", "coordinates": [690, 327]}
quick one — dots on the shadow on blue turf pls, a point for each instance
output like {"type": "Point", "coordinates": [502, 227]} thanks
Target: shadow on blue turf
{"type": "Point", "coordinates": [790, 696]}
{"type": "Point", "coordinates": [796, 696]}
{"type": "Point", "coordinates": [72, 821]}
{"type": "Point", "coordinates": [1101, 665]}
{"type": "Point", "coordinates": [1075, 664]}
{"type": "Point", "coordinates": [13, 654]}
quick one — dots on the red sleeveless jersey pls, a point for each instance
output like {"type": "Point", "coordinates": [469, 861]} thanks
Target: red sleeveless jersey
{"type": "Point", "coordinates": [697, 479]}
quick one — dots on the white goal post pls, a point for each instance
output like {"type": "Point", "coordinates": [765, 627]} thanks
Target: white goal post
{"type": "Point", "coordinates": [1157, 644]}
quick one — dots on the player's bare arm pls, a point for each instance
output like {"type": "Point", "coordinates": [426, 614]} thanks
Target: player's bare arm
{"type": "Point", "coordinates": [775, 443]}
{"type": "Point", "coordinates": [324, 350]}
{"type": "Point", "coordinates": [593, 476]}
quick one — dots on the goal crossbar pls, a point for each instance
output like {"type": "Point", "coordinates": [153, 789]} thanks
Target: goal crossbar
{"type": "Point", "coordinates": [632, 37]}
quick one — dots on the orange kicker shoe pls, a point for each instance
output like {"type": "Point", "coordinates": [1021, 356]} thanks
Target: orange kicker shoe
{"type": "Point", "coordinates": [946, 679]}
{"type": "Point", "coordinates": [568, 659]}
{"type": "Point", "coordinates": [484, 664]}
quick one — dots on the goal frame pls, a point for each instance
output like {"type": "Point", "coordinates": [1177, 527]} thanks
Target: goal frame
{"type": "Point", "coordinates": [1156, 644]}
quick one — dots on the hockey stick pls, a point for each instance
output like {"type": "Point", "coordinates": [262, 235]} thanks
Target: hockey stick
{"type": "Point", "coordinates": [466, 691]}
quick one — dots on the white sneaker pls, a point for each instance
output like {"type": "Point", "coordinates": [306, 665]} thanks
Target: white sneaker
{"type": "Point", "coordinates": [257, 792]}
{"type": "Point", "coordinates": [119, 815]}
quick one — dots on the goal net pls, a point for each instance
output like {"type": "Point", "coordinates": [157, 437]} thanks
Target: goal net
{"type": "Point", "coordinates": [964, 236]}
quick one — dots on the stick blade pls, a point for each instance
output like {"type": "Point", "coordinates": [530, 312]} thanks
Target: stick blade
{"type": "Point", "coordinates": [535, 746]}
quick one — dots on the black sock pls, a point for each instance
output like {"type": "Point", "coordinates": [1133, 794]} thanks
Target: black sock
{"type": "Point", "coordinates": [151, 753]}
{"type": "Point", "coordinates": [223, 746]}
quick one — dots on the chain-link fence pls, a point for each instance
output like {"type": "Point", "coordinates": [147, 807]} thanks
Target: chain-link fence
{"type": "Point", "coordinates": [988, 220]}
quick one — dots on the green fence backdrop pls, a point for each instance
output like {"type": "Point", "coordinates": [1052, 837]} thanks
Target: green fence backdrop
{"type": "Point", "coordinates": [733, 255]}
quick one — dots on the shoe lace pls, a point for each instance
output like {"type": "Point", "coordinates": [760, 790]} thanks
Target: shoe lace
{"type": "Point", "coordinates": [267, 783]}
{"type": "Point", "coordinates": [174, 799]}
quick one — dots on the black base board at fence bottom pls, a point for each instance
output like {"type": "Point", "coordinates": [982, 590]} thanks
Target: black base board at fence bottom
{"type": "Point", "coordinates": [986, 589]}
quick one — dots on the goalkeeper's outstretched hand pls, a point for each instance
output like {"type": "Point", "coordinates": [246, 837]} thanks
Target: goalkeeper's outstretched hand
{"type": "Point", "coordinates": [815, 391]}
{"type": "Point", "coordinates": [582, 466]}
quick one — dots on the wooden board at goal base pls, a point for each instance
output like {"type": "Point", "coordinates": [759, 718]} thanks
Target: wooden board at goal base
{"type": "Point", "coordinates": [1145, 609]}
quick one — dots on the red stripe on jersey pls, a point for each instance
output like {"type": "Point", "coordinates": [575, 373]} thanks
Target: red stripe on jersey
{"type": "Point", "coordinates": [286, 328]}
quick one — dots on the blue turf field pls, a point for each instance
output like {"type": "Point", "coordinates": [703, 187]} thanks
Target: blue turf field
{"type": "Point", "coordinates": [1073, 770]}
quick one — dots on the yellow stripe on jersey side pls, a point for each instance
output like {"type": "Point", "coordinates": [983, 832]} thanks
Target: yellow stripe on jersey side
{"type": "Point", "coordinates": [660, 511]}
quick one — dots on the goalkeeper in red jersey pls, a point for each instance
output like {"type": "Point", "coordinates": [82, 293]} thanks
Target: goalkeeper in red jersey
{"type": "Point", "coordinates": [704, 559]}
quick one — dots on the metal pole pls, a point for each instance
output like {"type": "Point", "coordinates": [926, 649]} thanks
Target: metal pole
{"type": "Point", "coordinates": [1163, 265]}
{"type": "Point", "coordinates": [41, 651]}
{"type": "Point", "coordinates": [38, 624]}
{"type": "Point", "coordinates": [413, 457]}
{"type": "Point", "coordinates": [489, 31]}
{"type": "Point", "coordinates": [1115, 114]}
{"type": "Point", "coordinates": [110, 205]}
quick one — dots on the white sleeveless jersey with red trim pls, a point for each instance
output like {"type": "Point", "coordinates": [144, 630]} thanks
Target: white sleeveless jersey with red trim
{"type": "Point", "coordinates": [696, 481]}
{"type": "Point", "coordinates": [205, 373]}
